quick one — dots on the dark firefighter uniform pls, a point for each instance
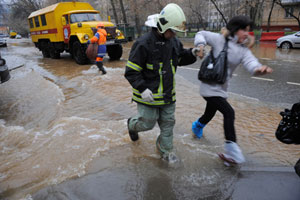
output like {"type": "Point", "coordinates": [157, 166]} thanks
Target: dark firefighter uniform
{"type": "Point", "coordinates": [152, 64]}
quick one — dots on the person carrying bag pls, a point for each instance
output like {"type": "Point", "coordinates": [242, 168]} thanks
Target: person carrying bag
{"type": "Point", "coordinates": [230, 50]}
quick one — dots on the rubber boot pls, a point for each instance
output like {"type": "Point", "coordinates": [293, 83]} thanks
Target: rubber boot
{"type": "Point", "coordinates": [101, 68]}
{"type": "Point", "coordinates": [134, 136]}
{"type": "Point", "coordinates": [168, 156]}
{"type": "Point", "coordinates": [233, 152]}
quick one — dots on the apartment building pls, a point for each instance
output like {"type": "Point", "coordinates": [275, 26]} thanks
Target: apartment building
{"type": "Point", "coordinates": [281, 19]}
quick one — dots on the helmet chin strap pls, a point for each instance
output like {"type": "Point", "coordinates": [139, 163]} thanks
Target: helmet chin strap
{"type": "Point", "coordinates": [162, 35]}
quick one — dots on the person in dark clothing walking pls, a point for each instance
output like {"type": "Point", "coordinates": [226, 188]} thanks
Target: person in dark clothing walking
{"type": "Point", "coordinates": [150, 70]}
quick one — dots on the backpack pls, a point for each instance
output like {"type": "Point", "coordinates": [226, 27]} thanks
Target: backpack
{"type": "Point", "coordinates": [288, 130]}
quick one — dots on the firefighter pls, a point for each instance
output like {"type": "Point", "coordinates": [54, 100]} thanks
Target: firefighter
{"type": "Point", "coordinates": [100, 38]}
{"type": "Point", "coordinates": [150, 70]}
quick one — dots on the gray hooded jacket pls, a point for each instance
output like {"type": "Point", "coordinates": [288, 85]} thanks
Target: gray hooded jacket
{"type": "Point", "coordinates": [236, 54]}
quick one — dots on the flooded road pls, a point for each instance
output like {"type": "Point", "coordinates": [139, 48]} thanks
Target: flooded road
{"type": "Point", "coordinates": [60, 121]}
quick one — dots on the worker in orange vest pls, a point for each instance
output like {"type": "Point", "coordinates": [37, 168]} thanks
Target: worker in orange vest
{"type": "Point", "coordinates": [100, 38]}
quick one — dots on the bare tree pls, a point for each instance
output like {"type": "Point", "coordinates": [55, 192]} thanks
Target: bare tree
{"type": "Point", "coordinates": [136, 17]}
{"type": "Point", "coordinates": [20, 10]}
{"type": "Point", "coordinates": [197, 9]}
{"type": "Point", "coordinates": [220, 12]}
{"type": "Point", "coordinates": [254, 10]}
{"type": "Point", "coordinates": [270, 13]}
{"type": "Point", "coordinates": [296, 16]}
{"type": "Point", "coordinates": [114, 11]}
{"type": "Point", "coordinates": [123, 11]}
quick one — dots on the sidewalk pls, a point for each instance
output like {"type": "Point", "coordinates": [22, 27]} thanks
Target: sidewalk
{"type": "Point", "coordinates": [256, 183]}
{"type": "Point", "coordinates": [265, 183]}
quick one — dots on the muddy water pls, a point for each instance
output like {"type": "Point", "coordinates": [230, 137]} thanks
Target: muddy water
{"type": "Point", "coordinates": [60, 120]}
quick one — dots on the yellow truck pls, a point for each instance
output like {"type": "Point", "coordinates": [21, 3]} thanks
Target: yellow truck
{"type": "Point", "coordinates": [67, 26]}
{"type": "Point", "coordinates": [12, 34]}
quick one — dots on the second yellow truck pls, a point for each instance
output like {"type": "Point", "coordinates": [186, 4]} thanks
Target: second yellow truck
{"type": "Point", "coordinates": [67, 26]}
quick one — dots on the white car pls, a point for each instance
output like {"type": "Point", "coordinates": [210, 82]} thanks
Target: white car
{"type": "Point", "coordinates": [289, 41]}
{"type": "Point", "coordinates": [18, 36]}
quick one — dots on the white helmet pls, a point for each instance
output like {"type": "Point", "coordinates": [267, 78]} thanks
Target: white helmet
{"type": "Point", "coordinates": [151, 20]}
{"type": "Point", "coordinates": [171, 17]}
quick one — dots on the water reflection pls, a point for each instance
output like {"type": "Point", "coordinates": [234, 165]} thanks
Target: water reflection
{"type": "Point", "coordinates": [268, 50]}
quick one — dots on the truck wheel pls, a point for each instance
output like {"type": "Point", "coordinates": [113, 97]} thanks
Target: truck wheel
{"type": "Point", "coordinates": [115, 51]}
{"type": "Point", "coordinates": [44, 48]}
{"type": "Point", "coordinates": [79, 53]}
{"type": "Point", "coordinates": [46, 53]}
{"type": "Point", "coordinates": [54, 54]}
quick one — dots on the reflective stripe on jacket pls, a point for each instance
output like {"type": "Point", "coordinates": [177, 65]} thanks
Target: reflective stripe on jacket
{"type": "Point", "coordinates": [152, 64]}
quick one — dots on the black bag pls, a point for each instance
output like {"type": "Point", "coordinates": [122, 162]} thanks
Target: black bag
{"type": "Point", "coordinates": [4, 72]}
{"type": "Point", "coordinates": [288, 130]}
{"type": "Point", "coordinates": [214, 70]}
{"type": "Point", "coordinates": [92, 51]}
{"type": "Point", "coordinates": [297, 167]}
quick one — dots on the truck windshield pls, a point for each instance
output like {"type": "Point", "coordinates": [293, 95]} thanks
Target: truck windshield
{"type": "Point", "coordinates": [85, 17]}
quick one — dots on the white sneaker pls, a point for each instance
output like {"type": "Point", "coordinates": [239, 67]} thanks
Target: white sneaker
{"type": "Point", "coordinates": [233, 152]}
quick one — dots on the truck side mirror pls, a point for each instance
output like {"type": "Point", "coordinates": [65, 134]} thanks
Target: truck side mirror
{"type": "Point", "coordinates": [63, 21]}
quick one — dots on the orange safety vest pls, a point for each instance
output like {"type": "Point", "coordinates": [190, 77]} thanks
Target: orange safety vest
{"type": "Point", "coordinates": [100, 37]}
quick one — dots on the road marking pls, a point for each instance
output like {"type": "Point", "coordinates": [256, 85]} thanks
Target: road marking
{"type": "Point", "coordinates": [234, 74]}
{"type": "Point", "coordinates": [292, 83]}
{"type": "Point", "coordinates": [266, 58]}
{"type": "Point", "coordinates": [289, 61]}
{"type": "Point", "coordinates": [189, 68]}
{"type": "Point", "coordinates": [264, 79]}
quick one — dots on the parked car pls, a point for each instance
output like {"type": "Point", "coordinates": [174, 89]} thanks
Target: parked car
{"type": "Point", "coordinates": [18, 36]}
{"type": "Point", "coordinates": [289, 41]}
{"type": "Point", "coordinates": [3, 40]}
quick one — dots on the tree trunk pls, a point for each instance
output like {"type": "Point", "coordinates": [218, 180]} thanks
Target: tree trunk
{"type": "Point", "coordinates": [269, 18]}
{"type": "Point", "coordinates": [219, 11]}
{"type": "Point", "coordinates": [201, 21]}
{"type": "Point", "coordinates": [260, 13]}
{"type": "Point", "coordinates": [114, 11]}
{"type": "Point", "coordinates": [123, 12]}
{"type": "Point", "coordinates": [136, 18]}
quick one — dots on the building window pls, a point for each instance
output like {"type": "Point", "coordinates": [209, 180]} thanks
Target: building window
{"type": "Point", "coordinates": [43, 19]}
{"type": "Point", "coordinates": [36, 21]}
{"type": "Point", "coordinates": [31, 23]}
{"type": "Point", "coordinates": [288, 12]}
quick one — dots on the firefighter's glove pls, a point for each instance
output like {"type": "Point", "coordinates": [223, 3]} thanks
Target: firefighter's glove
{"type": "Point", "coordinates": [195, 51]}
{"type": "Point", "coordinates": [147, 95]}
{"type": "Point", "coordinates": [198, 51]}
